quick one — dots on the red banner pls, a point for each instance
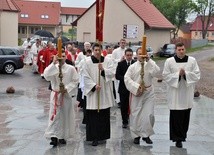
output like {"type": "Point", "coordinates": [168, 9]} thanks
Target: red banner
{"type": "Point", "coordinates": [100, 4]}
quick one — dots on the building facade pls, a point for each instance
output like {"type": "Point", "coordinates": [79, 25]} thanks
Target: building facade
{"type": "Point", "coordinates": [8, 23]}
{"type": "Point", "coordinates": [196, 29]}
{"type": "Point", "coordinates": [38, 15]}
{"type": "Point", "coordinates": [131, 15]}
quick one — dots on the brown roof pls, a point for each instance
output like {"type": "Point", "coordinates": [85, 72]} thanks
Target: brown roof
{"type": "Point", "coordinates": [39, 12]}
{"type": "Point", "coordinates": [9, 5]}
{"type": "Point", "coordinates": [146, 11]}
{"type": "Point", "coordinates": [185, 28]}
{"type": "Point", "coordinates": [149, 14]}
{"type": "Point", "coordinates": [72, 11]}
{"type": "Point", "coordinates": [197, 24]}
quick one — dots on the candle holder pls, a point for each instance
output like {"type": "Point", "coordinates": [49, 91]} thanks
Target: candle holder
{"type": "Point", "coordinates": [143, 55]}
{"type": "Point", "coordinates": [61, 84]}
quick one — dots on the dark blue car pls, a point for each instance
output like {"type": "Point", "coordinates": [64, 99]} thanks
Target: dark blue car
{"type": "Point", "coordinates": [10, 59]}
{"type": "Point", "coordinates": [167, 50]}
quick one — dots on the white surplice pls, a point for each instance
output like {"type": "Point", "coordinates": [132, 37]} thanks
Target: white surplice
{"type": "Point", "coordinates": [180, 93]}
{"type": "Point", "coordinates": [91, 74]}
{"type": "Point", "coordinates": [141, 108]}
{"type": "Point", "coordinates": [116, 56]}
{"type": "Point", "coordinates": [63, 124]}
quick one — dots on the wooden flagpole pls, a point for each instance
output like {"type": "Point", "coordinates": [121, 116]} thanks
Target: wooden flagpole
{"type": "Point", "coordinates": [100, 5]}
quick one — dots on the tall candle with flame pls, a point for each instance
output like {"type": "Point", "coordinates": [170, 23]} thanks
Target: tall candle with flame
{"type": "Point", "coordinates": [59, 47]}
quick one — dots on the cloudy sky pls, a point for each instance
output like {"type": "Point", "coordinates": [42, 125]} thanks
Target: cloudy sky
{"type": "Point", "coordinates": [73, 3]}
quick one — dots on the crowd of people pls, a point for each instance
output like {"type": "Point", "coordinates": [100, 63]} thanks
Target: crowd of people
{"type": "Point", "coordinates": [100, 79]}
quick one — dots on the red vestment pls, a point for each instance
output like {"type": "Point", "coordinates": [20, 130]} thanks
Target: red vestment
{"type": "Point", "coordinates": [48, 56]}
{"type": "Point", "coordinates": [40, 61]}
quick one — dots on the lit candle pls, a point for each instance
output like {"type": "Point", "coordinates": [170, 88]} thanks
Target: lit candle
{"type": "Point", "coordinates": [59, 47]}
{"type": "Point", "coordinates": [143, 48]}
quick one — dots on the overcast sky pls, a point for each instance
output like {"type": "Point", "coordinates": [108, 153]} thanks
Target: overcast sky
{"type": "Point", "coordinates": [73, 3]}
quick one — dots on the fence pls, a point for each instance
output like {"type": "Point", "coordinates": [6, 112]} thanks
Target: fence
{"type": "Point", "coordinates": [190, 43]}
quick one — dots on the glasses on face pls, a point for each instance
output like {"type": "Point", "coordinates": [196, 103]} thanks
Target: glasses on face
{"type": "Point", "coordinates": [129, 55]}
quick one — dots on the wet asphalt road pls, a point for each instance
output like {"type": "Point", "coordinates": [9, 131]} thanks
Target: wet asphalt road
{"type": "Point", "coordinates": [24, 115]}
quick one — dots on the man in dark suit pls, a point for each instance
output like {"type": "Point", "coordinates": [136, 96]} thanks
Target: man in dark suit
{"type": "Point", "coordinates": [123, 92]}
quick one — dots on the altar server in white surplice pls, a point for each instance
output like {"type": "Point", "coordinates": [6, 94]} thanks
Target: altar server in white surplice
{"type": "Point", "coordinates": [141, 103]}
{"type": "Point", "coordinates": [98, 122]}
{"type": "Point", "coordinates": [181, 72]}
{"type": "Point", "coordinates": [61, 125]}
{"type": "Point", "coordinates": [118, 55]}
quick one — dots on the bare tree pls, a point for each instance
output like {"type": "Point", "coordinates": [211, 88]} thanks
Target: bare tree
{"type": "Point", "coordinates": [205, 10]}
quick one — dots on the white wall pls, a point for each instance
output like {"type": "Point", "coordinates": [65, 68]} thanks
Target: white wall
{"type": "Point", "coordinates": [70, 19]}
{"type": "Point", "coordinates": [9, 29]}
{"type": "Point", "coordinates": [87, 24]}
{"type": "Point", "coordinates": [117, 14]}
{"type": "Point", "coordinates": [113, 22]}
{"type": "Point", "coordinates": [157, 38]}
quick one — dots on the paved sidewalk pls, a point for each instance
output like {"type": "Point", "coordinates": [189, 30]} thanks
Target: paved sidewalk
{"type": "Point", "coordinates": [24, 115]}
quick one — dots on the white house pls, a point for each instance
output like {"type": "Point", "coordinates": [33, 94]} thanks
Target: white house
{"type": "Point", "coordinates": [8, 23]}
{"type": "Point", "coordinates": [136, 17]}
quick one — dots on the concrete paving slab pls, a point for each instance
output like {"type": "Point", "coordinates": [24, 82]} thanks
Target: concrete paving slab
{"type": "Point", "coordinates": [24, 116]}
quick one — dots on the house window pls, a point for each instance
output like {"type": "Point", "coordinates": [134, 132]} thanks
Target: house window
{"type": "Point", "coordinates": [23, 30]}
{"type": "Point", "coordinates": [212, 33]}
{"type": "Point", "coordinates": [32, 30]}
{"type": "Point", "coordinates": [66, 18]}
{"type": "Point", "coordinates": [24, 15]}
{"type": "Point", "coordinates": [196, 33]}
{"type": "Point", "coordinates": [44, 16]}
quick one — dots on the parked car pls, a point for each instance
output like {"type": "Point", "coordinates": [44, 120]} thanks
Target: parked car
{"type": "Point", "coordinates": [148, 49]}
{"type": "Point", "coordinates": [167, 50]}
{"type": "Point", "coordinates": [10, 59]}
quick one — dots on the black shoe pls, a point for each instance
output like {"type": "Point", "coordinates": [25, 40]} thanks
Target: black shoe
{"type": "Point", "coordinates": [54, 141]}
{"type": "Point", "coordinates": [147, 140]}
{"type": "Point", "coordinates": [94, 143]}
{"type": "Point", "coordinates": [137, 140]}
{"type": "Point", "coordinates": [179, 144]}
{"type": "Point", "coordinates": [62, 141]}
{"type": "Point", "coordinates": [125, 126]}
{"type": "Point", "coordinates": [119, 104]}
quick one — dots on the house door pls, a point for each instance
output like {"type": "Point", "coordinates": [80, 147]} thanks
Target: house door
{"type": "Point", "coordinates": [86, 36]}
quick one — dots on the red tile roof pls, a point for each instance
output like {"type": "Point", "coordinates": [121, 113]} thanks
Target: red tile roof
{"type": "Point", "coordinates": [72, 11]}
{"type": "Point", "coordinates": [35, 9]}
{"type": "Point", "coordinates": [149, 14]}
{"type": "Point", "coordinates": [197, 24]}
{"type": "Point", "coordinates": [9, 5]}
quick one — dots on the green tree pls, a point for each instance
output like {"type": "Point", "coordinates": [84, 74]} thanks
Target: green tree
{"type": "Point", "coordinates": [73, 32]}
{"type": "Point", "coordinates": [205, 10]}
{"type": "Point", "coordinates": [176, 11]}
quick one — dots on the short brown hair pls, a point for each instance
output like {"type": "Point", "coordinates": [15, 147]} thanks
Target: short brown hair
{"type": "Point", "coordinates": [179, 44]}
